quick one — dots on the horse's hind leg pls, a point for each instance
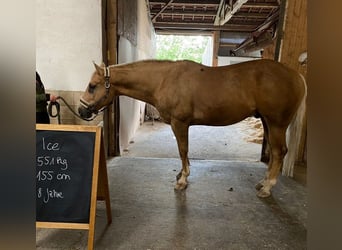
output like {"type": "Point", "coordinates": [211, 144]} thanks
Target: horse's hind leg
{"type": "Point", "coordinates": [265, 152]}
{"type": "Point", "coordinates": [278, 149]}
{"type": "Point", "coordinates": [180, 130]}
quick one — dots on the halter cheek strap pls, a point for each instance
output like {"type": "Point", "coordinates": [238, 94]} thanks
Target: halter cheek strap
{"type": "Point", "coordinates": [107, 84]}
{"type": "Point", "coordinates": [107, 76]}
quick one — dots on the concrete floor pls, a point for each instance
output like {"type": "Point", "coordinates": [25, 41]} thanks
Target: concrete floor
{"type": "Point", "coordinates": [219, 209]}
{"type": "Point", "coordinates": [205, 142]}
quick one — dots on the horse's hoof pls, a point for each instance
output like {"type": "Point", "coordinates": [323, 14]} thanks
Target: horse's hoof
{"type": "Point", "coordinates": [258, 186]}
{"type": "Point", "coordinates": [263, 194]}
{"type": "Point", "coordinates": [181, 186]}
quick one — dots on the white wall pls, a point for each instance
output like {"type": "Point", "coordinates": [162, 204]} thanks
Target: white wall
{"type": "Point", "coordinates": [228, 60]}
{"type": "Point", "coordinates": [207, 57]}
{"type": "Point", "coordinates": [146, 46]}
{"type": "Point", "coordinates": [131, 110]}
{"type": "Point", "coordinates": [68, 39]}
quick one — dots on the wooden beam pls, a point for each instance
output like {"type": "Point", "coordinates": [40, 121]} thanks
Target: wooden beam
{"type": "Point", "coordinates": [228, 44]}
{"type": "Point", "coordinates": [236, 6]}
{"type": "Point", "coordinates": [186, 12]}
{"type": "Point", "coordinates": [196, 4]}
{"type": "Point", "coordinates": [203, 27]}
{"type": "Point", "coordinates": [280, 31]}
{"type": "Point", "coordinates": [218, 13]}
{"type": "Point", "coordinates": [216, 45]}
{"type": "Point", "coordinates": [184, 32]}
{"type": "Point", "coordinates": [111, 115]}
{"type": "Point", "coordinates": [261, 30]}
{"type": "Point", "coordinates": [161, 11]}
{"type": "Point", "coordinates": [251, 15]}
{"type": "Point", "coordinates": [261, 5]}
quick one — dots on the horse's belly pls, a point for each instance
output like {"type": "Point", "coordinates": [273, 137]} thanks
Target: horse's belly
{"type": "Point", "coordinates": [220, 117]}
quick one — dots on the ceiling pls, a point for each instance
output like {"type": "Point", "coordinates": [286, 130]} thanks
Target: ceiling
{"type": "Point", "coordinates": [243, 26]}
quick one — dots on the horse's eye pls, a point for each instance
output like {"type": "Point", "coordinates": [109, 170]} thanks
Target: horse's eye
{"type": "Point", "coordinates": [91, 88]}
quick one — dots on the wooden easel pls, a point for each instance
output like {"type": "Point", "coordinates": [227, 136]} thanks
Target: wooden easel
{"type": "Point", "coordinates": [99, 189]}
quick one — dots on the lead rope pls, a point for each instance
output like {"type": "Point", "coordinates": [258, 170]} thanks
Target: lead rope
{"type": "Point", "coordinates": [57, 105]}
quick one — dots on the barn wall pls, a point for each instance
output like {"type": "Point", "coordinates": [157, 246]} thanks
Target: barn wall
{"type": "Point", "coordinates": [68, 39]}
{"type": "Point", "coordinates": [293, 44]}
{"type": "Point", "coordinates": [131, 110]}
{"type": "Point", "coordinates": [294, 40]}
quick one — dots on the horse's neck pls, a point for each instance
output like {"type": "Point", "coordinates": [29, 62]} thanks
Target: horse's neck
{"type": "Point", "coordinates": [139, 81]}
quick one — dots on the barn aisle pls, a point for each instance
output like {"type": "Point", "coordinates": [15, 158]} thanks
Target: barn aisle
{"type": "Point", "coordinates": [241, 141]}
{"type": "Point", "coordinates": [219, 209]}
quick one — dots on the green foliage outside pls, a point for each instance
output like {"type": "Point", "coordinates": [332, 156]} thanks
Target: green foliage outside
{"type": "Point", "coordinates": [171, 47]}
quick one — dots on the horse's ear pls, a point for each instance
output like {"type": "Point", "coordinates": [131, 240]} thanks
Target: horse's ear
{"type": "Point", "coordinates": [99, 70]}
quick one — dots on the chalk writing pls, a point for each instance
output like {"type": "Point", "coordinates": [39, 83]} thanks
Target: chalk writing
{"type": "Point", "coordinates": [48, 194]}
{"type": "Point", "coordinates": [52, 161]}
{"type": "Point", "coordinates": [64, 164]}
{"type": "Point", "coordinates": [51, 167]}
{"type": "Point", "coordinates": [50, 146]}
{"type": "Point", "coordinates": [49, 175]}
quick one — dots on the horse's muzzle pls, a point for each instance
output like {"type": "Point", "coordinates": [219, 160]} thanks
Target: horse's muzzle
{"type": "Point", "coordinates": [84, 112]}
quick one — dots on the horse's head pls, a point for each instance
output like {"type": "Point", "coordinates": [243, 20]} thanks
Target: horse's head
{"type": "Point", "coordinates": [98, 93]}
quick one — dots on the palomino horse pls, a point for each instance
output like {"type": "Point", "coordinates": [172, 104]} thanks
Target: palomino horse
{"type": "Point", "coordinates": [187, 93]}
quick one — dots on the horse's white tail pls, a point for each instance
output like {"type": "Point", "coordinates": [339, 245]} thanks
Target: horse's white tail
{"type": "Point", "coordinates": [294, 136]}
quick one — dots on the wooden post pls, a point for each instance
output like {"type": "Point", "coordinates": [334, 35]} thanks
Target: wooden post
{"type": "Point", "coordinates": [292, 44]}
{"type": "Point", "coordinates": [216, 45]}
{"type": "Point", "coordinates": [111, 115]}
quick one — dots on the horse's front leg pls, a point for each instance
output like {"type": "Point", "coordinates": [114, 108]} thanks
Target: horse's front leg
{"type": "Point", "coordinates": [180, 129]}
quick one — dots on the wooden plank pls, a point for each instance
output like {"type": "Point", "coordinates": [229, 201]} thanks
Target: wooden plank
{"type": "Point", "coordinates": [66, 127]}
{"type": "Point", "coordinates": [103, 187]}
{"type": "Point", "coordinates": [60, 225]}
{"type": "Point", "coordinates": [91, 233]}
{"type": "Point", "coordinates": [295, 34]}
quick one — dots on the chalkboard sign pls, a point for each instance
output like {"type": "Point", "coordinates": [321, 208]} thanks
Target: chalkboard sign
{"type": "Point", "coordinates": [71, 175]}
{"type": "Point", "coordinates": [64, 161]}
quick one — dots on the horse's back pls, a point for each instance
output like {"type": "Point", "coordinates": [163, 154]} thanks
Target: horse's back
{"type": "Point", "coordinates": [227, 94]}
